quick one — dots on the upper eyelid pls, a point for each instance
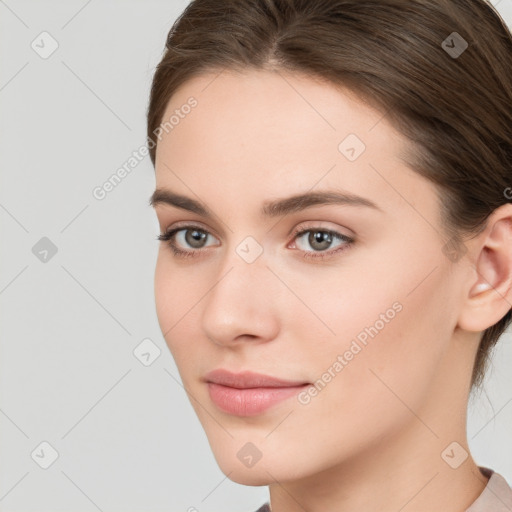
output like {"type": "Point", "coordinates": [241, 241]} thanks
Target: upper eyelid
{"type": "Point", "coordinates": [190, 225]}
{"type": "Point", "coordinates": [319, 224]}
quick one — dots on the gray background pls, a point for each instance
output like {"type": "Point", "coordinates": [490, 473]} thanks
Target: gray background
{"type": "Point", "coordinates": [126, 436]}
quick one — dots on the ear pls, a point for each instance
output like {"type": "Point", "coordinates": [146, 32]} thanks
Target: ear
{"type": "Point", "coordinates": [490, 290]}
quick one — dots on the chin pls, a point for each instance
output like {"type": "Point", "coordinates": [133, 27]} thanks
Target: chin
{"type": "Point", "coordinates": [267, 470]}
{"type": "Point", "coordinates": [244, 465]}
{"type": "Point", "coordinates": [251, 476]}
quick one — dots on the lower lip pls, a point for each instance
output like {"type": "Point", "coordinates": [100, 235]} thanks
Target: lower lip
{"type": "Point", "coordinates": [249, 401]}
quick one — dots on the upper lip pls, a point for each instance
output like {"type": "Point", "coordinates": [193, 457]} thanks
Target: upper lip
{"type": "Point", "coordinates": [248, 379]}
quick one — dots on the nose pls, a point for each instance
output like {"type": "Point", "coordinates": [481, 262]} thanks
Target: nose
{"type": "Point", "coordinates": [242, 304]}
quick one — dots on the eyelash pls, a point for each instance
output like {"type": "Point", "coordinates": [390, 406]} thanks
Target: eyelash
{"type": "Point", "coordinates": [311, 255]}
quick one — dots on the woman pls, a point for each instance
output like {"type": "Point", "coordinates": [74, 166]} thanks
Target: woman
{"type": "Point", "coordinates": [333, 190]}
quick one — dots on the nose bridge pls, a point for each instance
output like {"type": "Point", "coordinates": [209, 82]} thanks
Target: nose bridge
{"type": "Point", "coordinates": [244, 266]}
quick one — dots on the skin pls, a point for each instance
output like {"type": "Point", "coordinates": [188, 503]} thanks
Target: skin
{"type": "Point", "coordinates": [373, 437]}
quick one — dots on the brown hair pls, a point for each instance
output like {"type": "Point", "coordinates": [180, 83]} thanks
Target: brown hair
{"type": "Point", "coordinates": [395, 55]}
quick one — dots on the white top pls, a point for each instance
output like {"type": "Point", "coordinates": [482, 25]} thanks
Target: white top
{"type": "Point", "coordinates": [496, 497]}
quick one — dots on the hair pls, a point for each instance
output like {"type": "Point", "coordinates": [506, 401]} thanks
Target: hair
{"type": "Point", "coordinates": [456, 110]}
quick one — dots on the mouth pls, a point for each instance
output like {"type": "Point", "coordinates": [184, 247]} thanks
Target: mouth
{"type": "Point", "coordinates": [249, 393]}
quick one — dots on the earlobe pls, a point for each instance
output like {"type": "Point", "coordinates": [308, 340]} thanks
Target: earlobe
{"type": "Point", "coordinates": [490, 296]}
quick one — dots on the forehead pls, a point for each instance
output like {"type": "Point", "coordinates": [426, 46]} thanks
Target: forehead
{"type": "Point", "coordinates": [269, 133]}
{"type": "Point", "coordinates": [255, 105]}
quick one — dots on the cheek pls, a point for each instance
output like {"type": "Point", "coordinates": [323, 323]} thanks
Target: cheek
{"type": "Point", "coordinates": [164, 293]}
{"type": "Point", "coordinates": [392, 328]}
{"type": "Point", "coordinates": [179, 299]}
{"type": "Point", "coordinates": [175, 295]}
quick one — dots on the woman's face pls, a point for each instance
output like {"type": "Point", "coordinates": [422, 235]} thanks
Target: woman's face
{"type": "Point", "coordinates": [368, 326]}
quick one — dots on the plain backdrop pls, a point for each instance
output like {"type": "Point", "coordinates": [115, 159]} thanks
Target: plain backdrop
{"type": "Point", "coordinates": [76, 281]}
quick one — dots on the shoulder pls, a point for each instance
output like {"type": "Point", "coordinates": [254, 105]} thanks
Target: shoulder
{"type": "Point", "coordinates": [496, 497]}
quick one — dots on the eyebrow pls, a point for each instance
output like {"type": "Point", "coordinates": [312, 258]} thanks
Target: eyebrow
{"type": "Point", "coordinates": [273, 208]}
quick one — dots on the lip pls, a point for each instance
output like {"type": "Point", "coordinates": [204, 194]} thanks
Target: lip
{"type": "Point", "coordinates": [248, 379]}
{"type": "Point", "coordinates": [249, 393]}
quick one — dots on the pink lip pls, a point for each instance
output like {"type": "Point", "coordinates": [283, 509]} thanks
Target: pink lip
{"type": "Point", "coordinates": [248, 393]}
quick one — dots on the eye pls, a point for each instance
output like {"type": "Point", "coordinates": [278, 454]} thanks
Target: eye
{"type": "Point", "coordinates": [193, 235]}
{"type": "Point", "coordinates": [320, 239]}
